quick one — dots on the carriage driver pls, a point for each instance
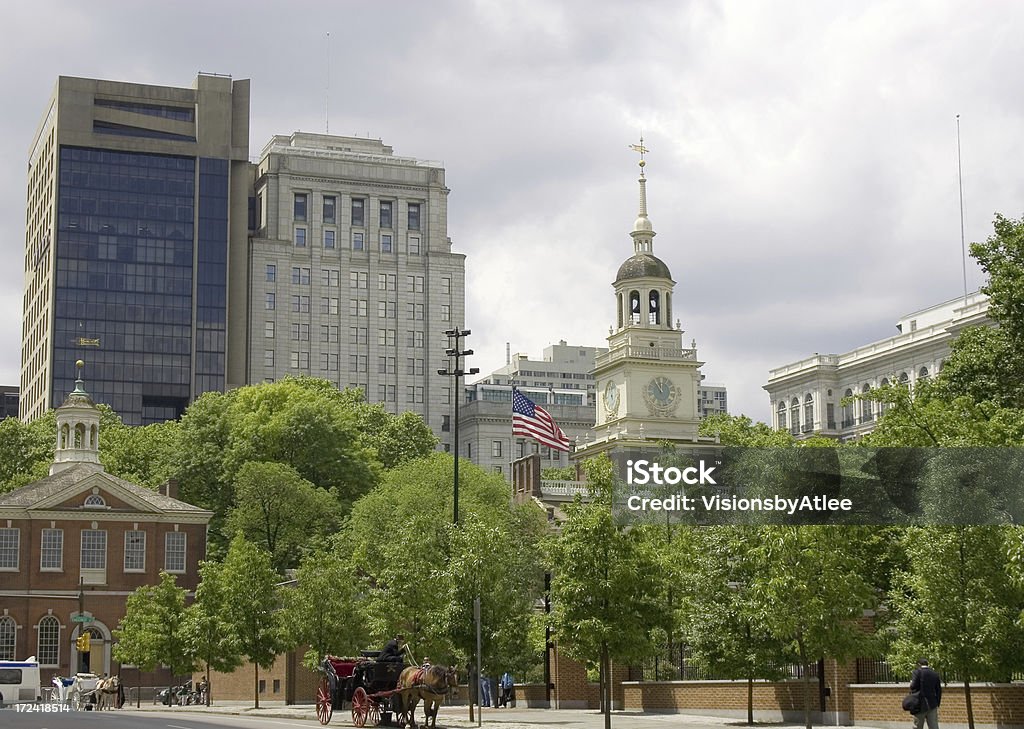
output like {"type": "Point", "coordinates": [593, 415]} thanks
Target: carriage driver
{"type": "Point", "coordinates": [394, 650]}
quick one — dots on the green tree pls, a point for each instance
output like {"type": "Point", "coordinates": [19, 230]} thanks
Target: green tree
{"type": "Point", "coordinates": [251, 605]}
{"type": "Point", "coordinates": [956, 604]}
{"type": "Point", "coordinates": [212, 638]}
{"type": "Point", "coordinates": [606, 583]}
{"type": "Point", "coordinates": [152, 633]}
{"type": "Point", "coordinates": [808, 590]}
{"type": "Point", "coordinates": [717, 612]}
{"type": "Point", "coordinates": [280, 511]}
{"type": "Point", "coordinates": [739, 430]}
{"type": "Point", "coordinates": [419, 574]}
{"type": "Point", "coordinates": [322, 610]}
{"type": "Point", "coordinates": [396, 439]}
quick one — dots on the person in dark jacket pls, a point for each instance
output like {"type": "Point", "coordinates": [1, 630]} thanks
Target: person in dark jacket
{"type": "Point", "coordinates": [393, 651]}
{"type": "Point", "coordinates": [927, 681]}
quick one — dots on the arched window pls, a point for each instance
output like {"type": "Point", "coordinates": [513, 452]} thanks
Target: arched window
{"type": "Point", "coordinates": [808, 412]}
{"type": "Point", "coordinates": [65, 431]}
{"type": "Point", "coordinates": [794, 415]}
{"type": "Point", "coordinates": [93, 442]}
{"type": "Point", "coordinates": [942, 365]}
{"type": "Point", "coordinates": [904, 378]}
{"type": "Point", "coordinates": [847, 409]}
{"type": "Point", "coordinates": [782, 415]}
{"type": "Point", "coordinates": [8, 632]}
{"type": "Point", "coordinates": [49, 641]}
{"type": "Point", "coordinates": [668, 309]}
{"type": "Point", "coordinates": [653, 307]}
{"type": "Point", "coordinates": [883, 406]}
{"type": "Point", "coordinates": [79, 435]}
{"type": "Point", "coordinates": [94, 500]}
{"type": "Point", "coordinates": [923, 374]}
{"type": "Point", "coordinates": [867, 410]}
{"type": "Point", "coordinates": [618, 302]}
{"type": "Point", "coordinates": [634, 307]}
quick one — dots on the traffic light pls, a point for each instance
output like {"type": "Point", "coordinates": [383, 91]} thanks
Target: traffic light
{"type": "Point", "coordinates": [82, 643]}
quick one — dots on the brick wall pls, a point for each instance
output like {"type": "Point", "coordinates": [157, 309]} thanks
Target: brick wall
{"type": "Point", "coordinates": [772, 700]}
{"type": "Point", "coordinates": [999, 705]}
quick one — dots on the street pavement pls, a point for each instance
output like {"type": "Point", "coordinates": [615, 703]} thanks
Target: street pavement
{"type": "Point", "coordinates": [457, 717]}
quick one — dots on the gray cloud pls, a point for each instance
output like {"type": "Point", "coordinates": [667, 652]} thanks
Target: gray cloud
{"type": "Point", "coordinates": [803, 167]}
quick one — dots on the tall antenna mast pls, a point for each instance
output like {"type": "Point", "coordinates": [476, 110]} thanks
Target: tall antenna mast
{"type": "Point", "coordinates": [327, 89]}
{"type": "Point", "coordinates": [960, 175]}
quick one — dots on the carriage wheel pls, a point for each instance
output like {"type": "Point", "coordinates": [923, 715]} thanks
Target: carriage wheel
{"type": "Point", "coordinates": [374, 716]}
{"type": "Point", "coordinates": [360, 706]}
{"type": "Point", "coordinates": [324, 705]}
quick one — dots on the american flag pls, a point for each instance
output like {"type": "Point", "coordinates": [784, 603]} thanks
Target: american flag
{"type": "Point", "coordinates": [533, 421]}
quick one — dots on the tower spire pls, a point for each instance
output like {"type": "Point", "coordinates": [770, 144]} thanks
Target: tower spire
{"type": "Point", "coordinates": [643, 231]}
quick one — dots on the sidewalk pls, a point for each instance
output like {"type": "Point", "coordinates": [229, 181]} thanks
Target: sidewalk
{"type": "Point", "coordinates": [458, 717]}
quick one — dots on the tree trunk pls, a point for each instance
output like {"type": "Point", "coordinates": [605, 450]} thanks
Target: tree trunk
{"type": "Point", "coordinates": [209, 685]}
{"type": "Point", "coordinates": [607, 688]}
{"type": "Point", "coordinates": [806, 682]}
{"type": "Point", "coordinates": [750, 700]}
{"type": "Point", "coordinates": [256, 684]}
{"type": "Point", "coordinates": [969, 703]}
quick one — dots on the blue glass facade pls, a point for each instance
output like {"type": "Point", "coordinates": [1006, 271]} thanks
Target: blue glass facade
{"type": "Point", "coordinates": [126, 244]}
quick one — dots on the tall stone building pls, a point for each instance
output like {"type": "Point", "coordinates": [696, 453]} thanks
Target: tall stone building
{"type": "Point", "coordinates": [137, 206]}
{"type": "Point", "coordinates": [352, 273]}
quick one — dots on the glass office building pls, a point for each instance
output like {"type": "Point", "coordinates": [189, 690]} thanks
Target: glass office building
{"type": "Point", "coordinates": [141, 218]}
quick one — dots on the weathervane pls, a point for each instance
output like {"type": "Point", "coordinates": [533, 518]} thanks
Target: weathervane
{"type": "Point", "coordinates": [642, 150]}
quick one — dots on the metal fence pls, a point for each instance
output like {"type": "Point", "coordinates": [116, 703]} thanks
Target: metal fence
{"type": "Point", "coordinates": [677, 665]}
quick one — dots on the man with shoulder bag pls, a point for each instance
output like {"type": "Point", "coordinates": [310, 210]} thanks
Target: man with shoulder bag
{"type": "Point", "coordinates": [928, 684]}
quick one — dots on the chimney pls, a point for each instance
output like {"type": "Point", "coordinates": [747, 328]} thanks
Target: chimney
{"type": "Point", "coordinates": [170, 488]}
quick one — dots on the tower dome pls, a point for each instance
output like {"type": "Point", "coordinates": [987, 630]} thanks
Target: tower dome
{"type": "Point", "coordinates": [78, 428]}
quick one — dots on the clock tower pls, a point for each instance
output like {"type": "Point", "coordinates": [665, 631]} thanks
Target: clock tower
{"type": "Point", "coordinates": [647, 382]}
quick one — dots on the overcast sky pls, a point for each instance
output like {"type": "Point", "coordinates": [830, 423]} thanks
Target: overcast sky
{"type": "Point", "coordinates": [802, 168]}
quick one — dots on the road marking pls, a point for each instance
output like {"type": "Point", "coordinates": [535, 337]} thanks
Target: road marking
{"type": "Point", "coordinates": [179, 726]}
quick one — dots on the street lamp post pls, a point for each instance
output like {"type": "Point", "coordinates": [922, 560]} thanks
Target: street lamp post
{"type": "Point", "coordinates": [455, 337]}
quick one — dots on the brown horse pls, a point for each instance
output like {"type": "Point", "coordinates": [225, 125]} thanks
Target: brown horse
{"type": "Point", "coordinates": [107, 690]}
{"type": "Point", "coordinates": [430, 683]}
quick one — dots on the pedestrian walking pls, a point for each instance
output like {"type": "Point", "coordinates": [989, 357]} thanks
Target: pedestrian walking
{"type": "Point", "coordinates": [507, 687]}
{"type": "Point", "coordinates": [485, 690]}
{"type": "Point", "coordinates": [926, 680]}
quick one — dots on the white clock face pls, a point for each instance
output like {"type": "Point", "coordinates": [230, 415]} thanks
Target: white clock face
{"type": "Point", "coordinates": [661, 395]}
{"type": "Point", "coordinates": [611, 397]}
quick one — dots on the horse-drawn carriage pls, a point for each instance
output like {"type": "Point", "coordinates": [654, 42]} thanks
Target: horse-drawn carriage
{"type": "Point", "coordinates": [377, 690]}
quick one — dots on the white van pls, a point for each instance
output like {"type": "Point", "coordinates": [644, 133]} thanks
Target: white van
{"type": "Point", "coordinates": [19, 681]}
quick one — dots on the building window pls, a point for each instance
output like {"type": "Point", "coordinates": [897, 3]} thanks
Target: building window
{"type": "Point", "coordinates": [446, 286]}
{"type": "Point", "coordinates": [414, 216]}
{"type": "Point", "coordinates": [357, 242]}
{"type": "Point", "coordinates": [300, 237]}
{"type": "Point", "coordinates": [328, 362]}
{"type": "Point", "coordinates": [94, 501]}
{"type": "Point", "coordinates": [271, 272]}
{"type": "Point", "coordinates": [446, 423]}
{"type": "Point", "coordinates": [495, 449]}
{"type": "Point", "coordinates": [357, 362]}
{"type": "Point", "coordinates": [300, 276]}
{"type": "Point", "coordinates": [446, 312]}
{"type": "Point", "coordinates": [387, 309]}
{"type": "Point", "coordinates": [329, 239]}
{"type": "Point", "coordinates": [8, 632]}
{"type": "Point", "coordinates": [414, 284]}
{"type": "Point", "coordinates": [94, 549]}
{"type": "Point", "coordinates": [300, 332]}
{"type": "Point", "coordinates": [301, 203]}
{"type": "Point", "coordinates": [386, 365]}
{"type": "Point", "coordinates": [10, 546]}
{"type": "Point", "coordinates": [134, 551]}
{"type": "Point", "coordinates": [414, 312]}
{"type": "Point", "coordinates": [782, 416]}
{"type": "Point", "coordinates": [386, 393]}
{"type": "Point", "coordinates": [385, 213]}
{"type": "Point", "coordinates": [808, 413]}
{"type": "Point", "coordinates": [269, 329]}
{"type": "Point", "coordinates": [386, 337]}
{"type": "Point", "coordinates": [271, 302]}
{"type": "Point", "coordinates": [330, 209]}
{"type": "Point", "coordinates": [268, 358]}
{"type": "Point", "coordinates": [387, 282]}
{"type": "Point", "coordinates": [414, 245]}
{"type": "Point", "coordinates": [358, 279]}
{"type": "Point", "coordinates": [385, 243]}
{"type": "Point", "coordinates": [48, 653]}
{"type": "Point", "coordinates": [358, 213]}
{"type": "Point", "coordinates": [174, 551]}
{"type": "Point", "coordinates": [52, 550]}
{"type": "Point", "coordinates": [329, 277]}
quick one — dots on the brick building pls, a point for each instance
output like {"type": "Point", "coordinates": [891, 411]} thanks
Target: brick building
{"type": "Point", "coordinates": [76, 543]}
